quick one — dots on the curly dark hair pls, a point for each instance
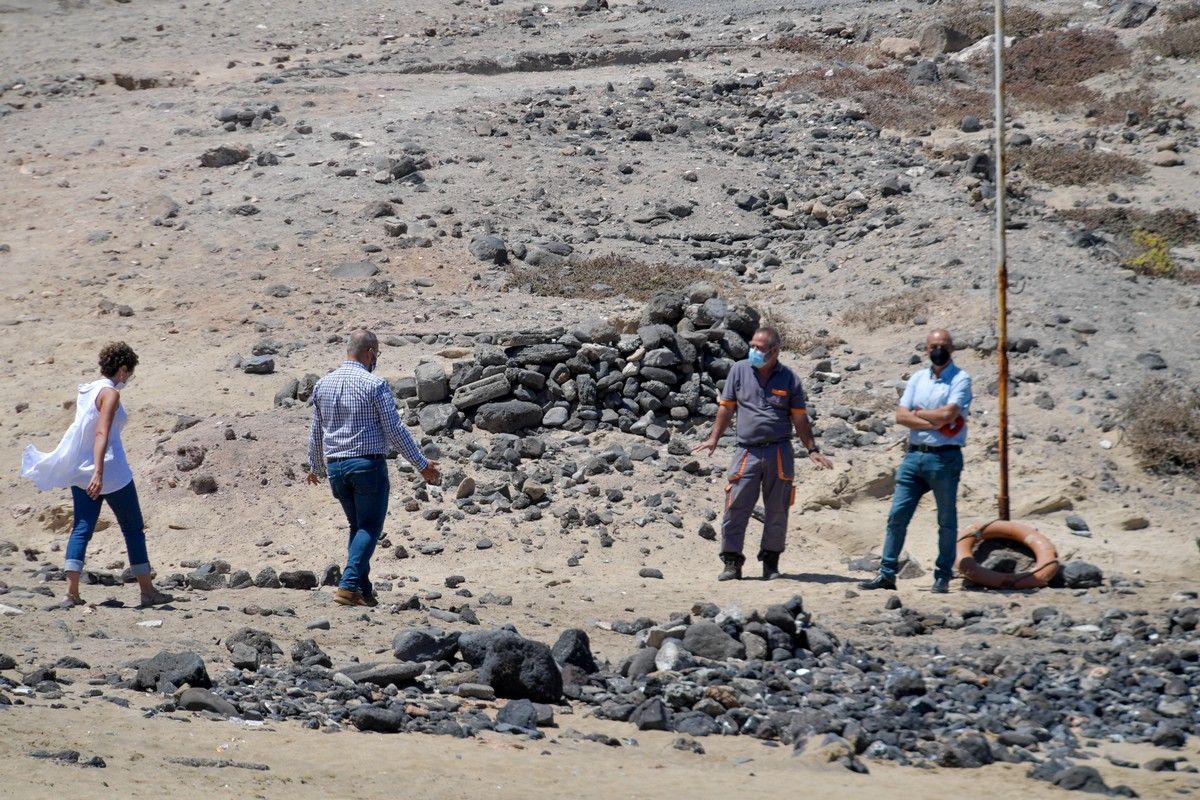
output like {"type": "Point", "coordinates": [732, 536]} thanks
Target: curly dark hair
{"type": "Point", "coordinates": [116, 355]}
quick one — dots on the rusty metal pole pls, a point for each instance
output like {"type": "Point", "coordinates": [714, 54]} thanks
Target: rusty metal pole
{"type": "Point", "coordinates": [1001, 265]}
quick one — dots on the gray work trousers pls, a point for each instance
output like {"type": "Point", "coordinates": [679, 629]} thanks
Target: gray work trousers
{"type": "Point", "coordinates": [767, 469]}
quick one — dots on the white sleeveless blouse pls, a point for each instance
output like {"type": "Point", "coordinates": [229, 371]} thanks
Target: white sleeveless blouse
{"type": "Point", "coordinates": [71, 463]}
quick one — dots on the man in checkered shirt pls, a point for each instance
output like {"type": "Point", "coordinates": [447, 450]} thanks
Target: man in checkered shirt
{"type": "Point", "coordinates": [354, 426]}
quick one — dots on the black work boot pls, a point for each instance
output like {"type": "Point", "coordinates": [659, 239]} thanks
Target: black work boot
{"type": "Point", "coordinates": [878, 582]}
{"type": "Point", "coordinates": [733, 567]}
{"type": "Point", "coordinates": [770, 562]}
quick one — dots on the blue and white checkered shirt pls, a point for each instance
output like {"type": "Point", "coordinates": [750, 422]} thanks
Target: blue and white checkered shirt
{"type": "Point", "coordinates": [354, 414]}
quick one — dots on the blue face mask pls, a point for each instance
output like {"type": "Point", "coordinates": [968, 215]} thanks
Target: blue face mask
{"type": "Point", "coordinates": [757, 358]}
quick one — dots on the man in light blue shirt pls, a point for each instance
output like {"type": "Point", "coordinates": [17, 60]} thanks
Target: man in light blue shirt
{"type": "Point", "coordinates": [934, 407]}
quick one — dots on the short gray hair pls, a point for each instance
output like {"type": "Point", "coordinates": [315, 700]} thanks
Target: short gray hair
{"type": "Point", "coordinates": [772, 334]}
{"type": "Point", "coordinates": [361, 341]}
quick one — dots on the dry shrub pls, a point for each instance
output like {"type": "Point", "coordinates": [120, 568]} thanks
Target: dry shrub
{"type": "Point", "coordinates": [1162, 425]}
{"type": "Point", "coordinates": [1176, 225]}
{"type": "Point", "coordinates": [1062, 58]}
{"type": "Point", "coordinates": [1045, 71]}
{"type": "Point", "coordinates": [611, 275]}
{"type": "Point", "coordinates": [1052, 97]}
{"type": "Point", "coordinates": [1181, 41]}
{"type": "Point", "coordinates": [875, 403]}
{"type": "Point", "coordinates": [895, 310]}
{"type": "Point", "coordinates": [889, 100]}
{"type": "Point", "coordinates": [1060, 165]}
{"type": "Point", "coordinates": [1113, 109]}
{"type": "Point", "coordinates": [797, 340]}
{"type": "Point", "coordinates": [1185, 12]}
{"type": "Point", "coordinates": [976, 21]}
{"type": "Point", "coordinates": [802, 43]}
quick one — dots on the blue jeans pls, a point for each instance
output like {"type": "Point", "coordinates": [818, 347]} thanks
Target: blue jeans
{"type": "Point", "coordinates": [361, 485]}
{"type": "Point", "coordinates": [124, 503]}
{"type": "Point", "coordinates": [918, 474]}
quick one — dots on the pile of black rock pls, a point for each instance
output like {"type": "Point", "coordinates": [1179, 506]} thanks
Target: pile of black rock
{"type": "Point", "coordinates": [594, 377]}
{"type": "Point", "coordinates": [776, 676]}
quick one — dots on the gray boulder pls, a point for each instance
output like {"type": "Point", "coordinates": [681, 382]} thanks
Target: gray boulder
{"type": "Point", "coordinates": [398, 674]}
{"type": "Point", "coordinates": [1131, 14]}
{"type": "Point", "coordinates": [432, 384]}
{"type": "Point", "coordinates": [481, 391]}
{"type": "Point", "coordinates": [267, 579]}
{"type": "Point", "coordinates": [708, 640]}
{"type": "Point", "coordinates": [298, 579]}
{"type": "Point", "coordinates": [437, 417]}
{"type": "Point", "coordinates": [938, 38]}
{"type": "Point", "coordinates": [509, 416]}
{"type": "Point", "coordinates": [377, 720]}
{"type": "Point", "coordinates": [489, 249]}
{"type": "Point", "coordinates": [574, 648]}
{"type": "Point", "coordinates": [652, 715]}
{"type": "Point", "coordinates": [244, 656]}
{"type": "Point", "coordinates": [663, 307]}
{"type": "Point", "coordinates": [519, 714]}
{"type": "Point", "coordinates": [742, 319]}
{"type": "Point", "coordinates": [205, 578]}
{"type": "Point", "coordinates": [597, 331]}
{"type": "Point", "coordinates": [168, 671]}
{"type": "Point", "coordinates": [195, 699]}
{"type": "Point", "coordinates": [424, 644]}
{"type": "Point", "coordinates": [1081, 575]}
{"type": "Point", "coordinates": [258, 365]}
{"type": "Point", "coordinates": [261, 641]}
{"type": "Point", "coordinates": [224, 156]}
{"type": "Point", "coordinates": [520, 668]}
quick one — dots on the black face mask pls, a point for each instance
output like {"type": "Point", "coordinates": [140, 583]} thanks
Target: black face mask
{"type": "Point", "coordinates": [939, 355]}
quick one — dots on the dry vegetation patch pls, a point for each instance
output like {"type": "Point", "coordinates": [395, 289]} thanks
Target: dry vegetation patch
{"type": "Point", "coordinates": [603, 276]}
{"type": "Point", "coordinates": [1144, 238]}
{"type": "Point", "coordinates": [895, 310]}
{"type": "Point", "coordinates": [1177, 225]}
{"type": "Point", "coordinates": [1046, 70]}
{"type": "Point", "coordinates": [889, 100]}
{"type": "Point", "coordinates": [796, 339]}
{"type": "Point", "coordinates": [1162, 425]}
{"type": "Point", "coordinates": [975, 20]}
{"type": "Point", "coordinates": [1179, 41]}
{"type": "Point", "coordinates": [1184, 12]}
{"type": "Point", "coordinates": [1060, 165]}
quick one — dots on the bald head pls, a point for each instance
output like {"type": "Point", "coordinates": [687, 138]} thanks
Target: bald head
{"type": "Point", "coordinates": [939, 346]}
{"type": "Point", "coordinates": [939, 336]}
{"type": "Point", "coordinates": [361, 341]}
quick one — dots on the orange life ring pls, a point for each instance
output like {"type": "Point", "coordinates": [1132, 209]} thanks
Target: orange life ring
{"type": "Point", "coordinates": [1045, 556]}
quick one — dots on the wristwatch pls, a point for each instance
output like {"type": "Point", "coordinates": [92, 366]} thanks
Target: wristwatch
{"type": "Point", "coordinates": [813, 449]}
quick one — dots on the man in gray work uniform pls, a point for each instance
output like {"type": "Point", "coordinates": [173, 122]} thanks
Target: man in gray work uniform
{"type": "Point", "coordinates": [769, 402]}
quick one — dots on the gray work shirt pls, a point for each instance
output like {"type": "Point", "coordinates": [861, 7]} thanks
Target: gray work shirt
{"type": "Point", "coordinates": [764, 410]}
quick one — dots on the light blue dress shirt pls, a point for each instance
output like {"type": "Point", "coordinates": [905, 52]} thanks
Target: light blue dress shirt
{"type": "Point", "coordinates": [926, 390]}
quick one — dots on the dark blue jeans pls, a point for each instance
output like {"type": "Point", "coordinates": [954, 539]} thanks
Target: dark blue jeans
{"type": "Point", "coordinates": [124, 503]}
{"type": "Point", "coordinates": [920, 473]}
{"type": "Point", "coordinates": [361, 485]}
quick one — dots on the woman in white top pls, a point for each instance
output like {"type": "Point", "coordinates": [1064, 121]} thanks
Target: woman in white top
{"type": "Point", "coordinates": [90, 460]}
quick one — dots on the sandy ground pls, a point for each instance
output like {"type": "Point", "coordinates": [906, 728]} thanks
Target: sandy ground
{"type": "Point", "coordinates": [78, 165]}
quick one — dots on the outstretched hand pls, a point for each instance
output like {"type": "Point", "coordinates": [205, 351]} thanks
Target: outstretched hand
{"type": "Point", "coordinates": [431, 474]}
{"type": "Point", "coordinates": [708, 444]}
{"type": "Point", "coordinates": [820, 460]}
{"type": "Point", "coordinates": [313, 478]}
